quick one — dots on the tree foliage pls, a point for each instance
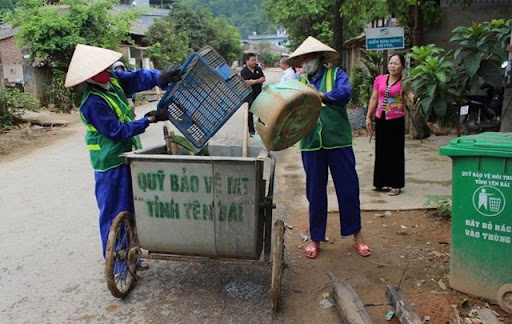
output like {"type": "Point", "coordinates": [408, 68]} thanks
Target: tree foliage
{"type": "Point", "coordinates": [483, 49]}
{"type": "Point", "coordinates": [7, 4]}
{"type": "Point", "coordinates": [5, 7]}
{"type": "Point", "coordinates": [247, 16]}
{"type": "Point", "coordinates": [315, 17]}
{"type": "Point", "coordinates": [51, 32]}
{"type": "Point", "coordinates": [368, 10]}
{"type": "Point", "coordinates": [167, 47]}
{"type": "Point", "coordinates": [303, 18]}
{"type": "Point", "coordinates": [186, 30]}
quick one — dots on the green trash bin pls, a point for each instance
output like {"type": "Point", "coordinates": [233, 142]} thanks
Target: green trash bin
{"type": "Point", "coordinates": [481, 249]}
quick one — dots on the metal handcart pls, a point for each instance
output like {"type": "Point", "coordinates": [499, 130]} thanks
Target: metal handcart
{"type": "Point", "coordinates": [216, 205]}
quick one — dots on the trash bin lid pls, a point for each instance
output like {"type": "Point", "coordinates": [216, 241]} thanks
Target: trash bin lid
{"type": "Point", "coordinates": [484, 144]}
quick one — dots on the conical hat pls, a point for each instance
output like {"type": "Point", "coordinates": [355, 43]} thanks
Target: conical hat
{"type": "Point", "coordinates": [312, 45]}
{"type": "Point", "coordinates": [87, 61]}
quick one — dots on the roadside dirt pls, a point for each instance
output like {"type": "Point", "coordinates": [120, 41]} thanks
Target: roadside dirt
{"type": "Point", "coordinates": [35, 133]}
{"type": "Point", "coordinates": [410, 248]}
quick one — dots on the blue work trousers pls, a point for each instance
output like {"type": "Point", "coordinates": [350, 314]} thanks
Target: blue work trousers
{"type": "Point", "coordinates": [342, 164]}
{"type": "Point", "coordinates": [113, 194]}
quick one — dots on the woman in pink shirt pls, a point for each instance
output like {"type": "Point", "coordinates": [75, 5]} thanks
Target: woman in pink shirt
{"type": "Point", "coordinates": [388, 104]}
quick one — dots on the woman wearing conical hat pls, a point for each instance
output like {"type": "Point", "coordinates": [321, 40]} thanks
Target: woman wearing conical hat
{"type": "Point", "coordinates": [329, 147]}
{"type": "Point", "coordinates": [111, 130]}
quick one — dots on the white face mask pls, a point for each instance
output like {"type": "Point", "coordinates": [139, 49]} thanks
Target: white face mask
{"type": "Point", "coordinates": [310, 67]}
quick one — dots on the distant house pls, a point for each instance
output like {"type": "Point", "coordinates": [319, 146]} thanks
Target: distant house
{"type": "Point", "coordinates": [279, 40]}
{"type": "Point", "coordinates": [276, 43]}
{"type": "Point", "coordinates": [14, 67]}
{"type": "Point", "coordinates": [136, 53]}
{"type": "Point", "coordinates": [11, 57]}
{"type": "Point", "coordinates": [163, 4]}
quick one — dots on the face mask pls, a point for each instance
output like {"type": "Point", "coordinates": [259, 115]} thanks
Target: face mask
{"type": "Point", "coordinates": [102, 77]}
{"type": "Point", "coordinates": [310, 67]}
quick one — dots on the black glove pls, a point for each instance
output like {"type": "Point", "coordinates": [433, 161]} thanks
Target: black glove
{"type": "Point", "coordinates": [170, 74]}
{"type": "Point", "coordinates": [161, 115]}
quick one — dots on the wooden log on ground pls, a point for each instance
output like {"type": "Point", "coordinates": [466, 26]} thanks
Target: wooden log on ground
{"type": "Point", "coordinates": [348, 304]}
{"type": "Point", "coordinates": [401, 306]}
{"type": "Point", "coordinates": [487, 316]}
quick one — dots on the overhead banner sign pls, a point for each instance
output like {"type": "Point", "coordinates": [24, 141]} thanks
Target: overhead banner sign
{"type": "Point", "coordinates": [384, 38]}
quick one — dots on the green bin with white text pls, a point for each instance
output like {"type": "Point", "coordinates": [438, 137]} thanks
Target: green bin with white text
{"type": "Point", "coordinates": [481, 245]}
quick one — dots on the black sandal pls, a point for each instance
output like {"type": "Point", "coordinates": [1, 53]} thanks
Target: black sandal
{"type": "Point", "coordinates": [394, 192]}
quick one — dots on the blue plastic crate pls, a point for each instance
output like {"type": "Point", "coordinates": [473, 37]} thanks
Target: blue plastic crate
{"type": "Point", "coordinates": [206, 97]}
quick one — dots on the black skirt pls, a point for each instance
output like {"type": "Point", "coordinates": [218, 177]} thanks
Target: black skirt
{"type": "Point", "coordinates": [389, 169]}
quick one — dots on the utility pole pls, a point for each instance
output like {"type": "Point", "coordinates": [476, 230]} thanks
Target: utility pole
{"type": "Point", "coordinates": [418, 25]}
{"type": "Point", "coordinates": [338, 30]}
{"type": "Point", "coordinates": [506, 109]}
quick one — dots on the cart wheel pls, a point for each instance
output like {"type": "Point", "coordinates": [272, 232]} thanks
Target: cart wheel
{"type": "Point", "coordinates": [504, 297]}
{"type": "Point", "coordinates": [119, 272]}
{"type": "Point", "coordinates": [277, 263]}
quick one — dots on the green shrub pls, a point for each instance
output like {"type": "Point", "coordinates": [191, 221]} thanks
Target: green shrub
{"type": "Point", "coordinates": [270, 58]}
{"type": "Point", "coordinates": [356, 79]}
{"type": "Point", "coordinates": [59, 95]}
{"type": "Point", "coordinates": [12, 106]}
{"type": "Point", "coordinates": [443, 204]}
{"type": "Point", "coordinates": [13, 98]}
{"type": "Point", "coordinates": [363, 75]}
{"type": "Point", "coordinates": [8, 119]}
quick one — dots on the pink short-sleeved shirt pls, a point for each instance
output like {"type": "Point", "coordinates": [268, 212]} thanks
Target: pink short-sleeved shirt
{"type": "Point", "coordinates": [395, 107]}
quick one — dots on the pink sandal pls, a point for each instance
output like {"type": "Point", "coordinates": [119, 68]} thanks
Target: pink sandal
{"type": "Point", "coordinates": [363, 249]}
{"type": "Point", "coordinates": [311, 251]}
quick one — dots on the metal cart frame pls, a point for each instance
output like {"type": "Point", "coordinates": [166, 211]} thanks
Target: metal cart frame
{"type": "Point", "coordinates": [124, 249]}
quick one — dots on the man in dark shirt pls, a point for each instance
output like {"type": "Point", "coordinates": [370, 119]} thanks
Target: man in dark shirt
{"type": "Point", "coordinates": [253, 76]}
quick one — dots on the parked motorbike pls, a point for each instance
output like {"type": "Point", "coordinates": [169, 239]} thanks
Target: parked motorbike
{"type": "Point", "coordinates": [482, 113]}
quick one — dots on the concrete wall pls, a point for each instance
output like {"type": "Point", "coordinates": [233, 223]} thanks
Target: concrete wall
{"type": "Point", "coordinates": [454, 16]}
{"type": "Point", "coordinates": [12, 72]}
{"type": "Point", "coordinates": [36, 80]}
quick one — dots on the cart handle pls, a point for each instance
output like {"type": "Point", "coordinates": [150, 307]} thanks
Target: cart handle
{"type": "Point", "coordinates": [269, 205]}
{"type": "Point", "coordinates": [271, 175]}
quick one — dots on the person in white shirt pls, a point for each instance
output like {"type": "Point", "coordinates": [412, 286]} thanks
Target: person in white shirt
{"type": "Point", "coordinates": [288, 72]}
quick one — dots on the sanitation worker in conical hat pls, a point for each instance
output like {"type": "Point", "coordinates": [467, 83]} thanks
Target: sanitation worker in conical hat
{"type": "Point", "coordinates": [329, 147]}
{"type": "Point", "coordinates": [110, 128]}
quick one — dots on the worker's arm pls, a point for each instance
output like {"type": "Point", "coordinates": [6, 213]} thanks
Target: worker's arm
{"type": "Point", "coordinates": [140, 80]}
{"type": "Point", "coordinates": [340, 94]}
{"type": "Point", "coordinates": [99, 114]}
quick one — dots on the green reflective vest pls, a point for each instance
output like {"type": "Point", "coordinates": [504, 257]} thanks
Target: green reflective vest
{"type": "Point", "coordinates": [104, 151]}
{"type": "Point", "coordinates": [332, 129]}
